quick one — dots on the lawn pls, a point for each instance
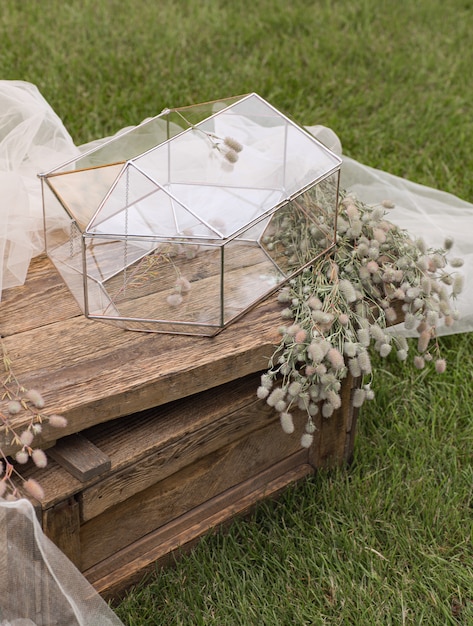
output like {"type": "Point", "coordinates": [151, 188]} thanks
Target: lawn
{"type": "Point", "coordinates": [388, 540]}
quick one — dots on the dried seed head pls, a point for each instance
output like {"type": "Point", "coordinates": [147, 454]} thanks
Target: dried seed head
{"type": "Point", "coordinates": [276, 395]}
{"type": "Point", "coordinates": [421, 245]}
{"type": "Point", "coordinates": [334, 399]}
{"type": "Point", "coordinates": [350, 349]}
{"type": "Point", "coordinates": [287, 423]}
{"type": "Point", "coordinates": [174, 300]}
{"type": "Point", "coordinates": [320, 370]}
{"type": "Point", "coordinates": [419, 362]}
{"type": "Point", "coordinates": [26, 437]}
{"type": "Point", "coordinates": [262, 393]}
{"type": "Point", "coordinates": [35, 398]}
{"type": "Point", "coordinates": [300, 336]}
{"type": "Point", "coordinates": [363, 335]}
{"type": "Point", "coordinates": [379, 235]}
{"type": "Point", "coordinates": [402, 354]}
{"type": "Point", "coordinates": [13, 407]}
{"type": "Point", "coordinates": [457, 287]}
{"type": "Point", "coordinates": [410, 321]}
{"type": "Point", "coordinates": [34, 489]}
{"type": "Point", "coordinates": [315, 351]}
{"type": "Point", "coordinates": [448, 243]}
{"type": "Point", "coordinates": [359, 396]}
{"type": "Point", "coordinates": [314, 303]}
{"type": "Point", "coordinates": [57, 421]}
{"type": "Point", "coordinates": [231, 156]}
{"type": "Point", "coordinates": [424, 339]}
{"type": "Point", "coordinates": [22, 457]}
{"type": "Point", "coordinates": [390, 314]}
{"type": "Point", "coordinates": [39, 458]}
{"type": "Point", "coordinates": [327, 409]}
{"type": "Point", "coordinates": [372, 267]}
{"type": "Point", "coordinates": [347, 290]}
{"type": "Point", "coordinates": [306, 440]}
{"type": "Point", "coordinates": [233, 144]}
{"type": "Point", "coordinates": [354, 367]}
{"type": "Point", "coordinates": [352, 212]}
{"type": "Point", "coordinates": [183, 285]}
{"type": "Point", "coordinates": [295, 388]}
{"type": "Point", "coordinates": [336, 359]}
{"type": "Point", "coordinates": [365, 362]}
{"type": "Point", "coordinates": [440, 366]}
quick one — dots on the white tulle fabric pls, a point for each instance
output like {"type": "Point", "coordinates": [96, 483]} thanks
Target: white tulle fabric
{"type": "Point", "coordinates": [39, 585]}
{"type": "Point", "coordinates": [32, 139]}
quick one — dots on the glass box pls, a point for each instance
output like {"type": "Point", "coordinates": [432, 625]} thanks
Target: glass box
{"type": "Point", "coordinates": [183, 223]}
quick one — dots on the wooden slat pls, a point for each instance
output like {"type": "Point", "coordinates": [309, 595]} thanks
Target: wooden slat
{"type": "Point", "coordinates": [61, 524]}
{"type": "Point", "coordinates": [165, 438]}
{"type": "Point", "coordinates": [184, 490]}
{"type": "Point", "coordinates": [42, 300]}
{"type": "Point", "coordinates": [180, 452]}
{"type": "Point", "coordinates": [114, 575]}
{"type": "Point", "coordinates": [80, 457]}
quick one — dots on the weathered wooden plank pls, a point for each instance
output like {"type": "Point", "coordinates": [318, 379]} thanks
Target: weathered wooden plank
{"type": "Point", "coordinates": [166, 438]}
{"type": "Point", "coordinates": [61, 524]}
{"type": "Point", "coordinates": [182, 491]}
{"type": "Point", "coordinates": [114, 575]}
{"type": "Point", "coordinates": [92, 372]}
{"type": "Point", "coordinates": [165, 460]}
{"type": "Point", "coordinates": [80, 457]}
{"type": "Point", "coordinates": [42, 300]}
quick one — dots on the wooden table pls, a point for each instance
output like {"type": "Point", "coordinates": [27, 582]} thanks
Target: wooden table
{"type": "Point", "coordinates": [165, 437]}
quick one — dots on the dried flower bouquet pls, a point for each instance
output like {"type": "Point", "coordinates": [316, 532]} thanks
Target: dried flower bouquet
{"type": "Point", "coordinates": [338, 308]}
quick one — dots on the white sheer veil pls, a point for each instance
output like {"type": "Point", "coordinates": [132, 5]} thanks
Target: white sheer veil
{"type": "Point", "coordinates": [32, 138]}
{"type": "Point", "coordinates": [39, 585]}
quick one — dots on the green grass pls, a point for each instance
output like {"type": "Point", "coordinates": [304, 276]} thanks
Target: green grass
{"type": "Point", "coordinates": [387, 541]}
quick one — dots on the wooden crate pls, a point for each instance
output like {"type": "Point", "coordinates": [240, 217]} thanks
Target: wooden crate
{"type": "Point", "coordinates": [165, 440]}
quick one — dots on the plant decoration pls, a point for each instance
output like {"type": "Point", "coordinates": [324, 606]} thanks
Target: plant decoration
{"type": "Point", "coordinates": [375, 276]}
{"type": "Point", "coordinates": [25, 407]}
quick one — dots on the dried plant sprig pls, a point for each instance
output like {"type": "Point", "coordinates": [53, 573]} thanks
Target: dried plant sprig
{"type": "Point", "coordinates": [21, 406]}
{"type": "Point", "coordinates": [375, 276]}
{"type": "Point", "coordinates": [228, 147]}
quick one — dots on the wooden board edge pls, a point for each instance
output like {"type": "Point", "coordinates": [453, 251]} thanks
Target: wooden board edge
{"type": "Point", "coordinates": [112, 578]}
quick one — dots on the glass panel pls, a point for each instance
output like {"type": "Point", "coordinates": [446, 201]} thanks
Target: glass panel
{"type": "Point", "coordinates": [82, 191]}
{"type": "Point", "coordinates": [249, 274]}
{"type": "Point", "coordinates": [173, 283]}
{"type": "Point", "coordinates": [302, 229]}
{"type": "Point", "coordinates": [57, 221]}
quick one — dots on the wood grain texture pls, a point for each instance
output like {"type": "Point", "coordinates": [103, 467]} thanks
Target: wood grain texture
{"type": "Point", "coordinates": [61, 524]}
{"type": "Point", "coordinates": [195, 438]}
{"type": "Point", "coordinates": [184, 490]}
{"type": "Point", "coordinates": [80, 457]}
{"type": "Point", "coordinates": [92, 372]}
{"type": "Point", "coordinates": [114, 575]}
